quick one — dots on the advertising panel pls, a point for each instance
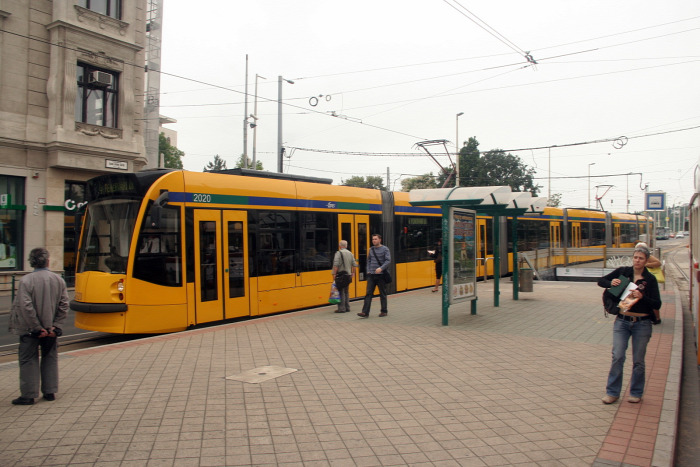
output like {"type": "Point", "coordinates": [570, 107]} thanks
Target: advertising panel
{"type": "Point", "coordinates": [462, 255]}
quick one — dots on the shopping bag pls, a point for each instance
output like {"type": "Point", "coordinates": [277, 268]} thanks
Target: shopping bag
{"type": "Point", "coordinates": [335, 295]}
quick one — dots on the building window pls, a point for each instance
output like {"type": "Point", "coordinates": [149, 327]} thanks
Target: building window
{"type": "Point", "coordinates": [12, 210]}
{"type": "Point", "coordinates": [111, 8]}
{"type": "Point", "coordinates": [96, 102]}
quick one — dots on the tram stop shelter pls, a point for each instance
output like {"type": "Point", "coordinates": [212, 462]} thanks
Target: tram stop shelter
{"type": "Point", "coordinates": [495, 201]}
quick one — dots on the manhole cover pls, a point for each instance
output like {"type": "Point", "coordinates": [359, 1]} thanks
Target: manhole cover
{"type": "Point", "coordinates": [261, 374]}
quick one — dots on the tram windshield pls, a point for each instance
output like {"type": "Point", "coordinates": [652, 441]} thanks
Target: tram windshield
{"type": "Point", "coordinates": [109, 226]}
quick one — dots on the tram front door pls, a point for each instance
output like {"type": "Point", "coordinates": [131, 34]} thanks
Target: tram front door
{"type": "Point", "coordinates": [221, 265]}
{"type": "Point", "coordinates": [354, 228]}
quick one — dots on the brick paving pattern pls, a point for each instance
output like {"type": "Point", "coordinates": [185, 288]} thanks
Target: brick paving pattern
{"type": "Point", "coordinates": [517, 384]}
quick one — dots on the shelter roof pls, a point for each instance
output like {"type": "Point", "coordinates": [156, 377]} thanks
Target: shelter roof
{"type": "Point", "coordinates": [494, 200]}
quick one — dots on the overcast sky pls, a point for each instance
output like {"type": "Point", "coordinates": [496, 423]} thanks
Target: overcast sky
{"type": "Point", "coordinates": [396, 72]}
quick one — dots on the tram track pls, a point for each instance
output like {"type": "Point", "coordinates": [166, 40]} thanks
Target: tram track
{"type": "Point", "coordinates": [8, 353]}
{"type": "Point", "coordinates": [678, 273]}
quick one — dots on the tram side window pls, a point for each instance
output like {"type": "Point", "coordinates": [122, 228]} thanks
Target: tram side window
{"type": "Point", "coordinates": [597, 234]}
{"type": "Point", "coordinates": [159, 254]}
{"type": "Point", "coordinates": [628, 233]}
{"type": "Point", "coordinates": [275, 247]}
{"type": "Point", "coordinates": [317, 234]}
{"type": "Point", "coordinates": [416, 234]}
{"type": "Point", "coordinates": [489, 236]}
{"type": "Point", "coordinates": [585, 234]}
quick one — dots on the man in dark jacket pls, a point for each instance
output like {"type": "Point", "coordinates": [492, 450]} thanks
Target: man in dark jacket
{"type": "Point", "coordinates": [378, 261]}
{"type": "Point", "coordinates": [37, 315]}
{"type": "Point", "coordinates": [633, 321]}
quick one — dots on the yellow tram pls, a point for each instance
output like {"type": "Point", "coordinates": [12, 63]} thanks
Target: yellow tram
{"type": "Point", "coordinates": [163, 250]}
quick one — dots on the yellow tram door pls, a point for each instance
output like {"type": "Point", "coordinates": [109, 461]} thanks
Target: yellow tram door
{"type": "Point", "coordinates": [554, 235]}
{"type": "Point", "coordinates": [481, 249]}
{"type": "Point", "coordinates": [236, 284]}
{"type": "Point", "coordinates": [575, 235]}
{"type": "Point", "coordinates": [617, 237]}
{"type": "Point", "coordinates": [209, 305]}
{"type": "Point", "coordinates": [355, 229]}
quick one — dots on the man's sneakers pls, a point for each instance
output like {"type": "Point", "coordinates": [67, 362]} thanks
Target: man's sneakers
{"type": "Point", "coordinates": [23, 401]}
{"type": "Point", "coordinates": [609, 399]}
{"type": "Point", "coordinates": [50, 397]}
{"type": "Point", "coordinates": [634, 399]}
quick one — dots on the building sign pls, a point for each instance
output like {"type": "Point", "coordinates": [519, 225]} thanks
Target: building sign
{"type": "Point", "coordinates": [655, 201]}
{"type": "Point", "coordinates": [4, 200]}
{"type": "Point", "coordinates": [121, 165]}
{"type": "Point", "coordinates": [462, 255]}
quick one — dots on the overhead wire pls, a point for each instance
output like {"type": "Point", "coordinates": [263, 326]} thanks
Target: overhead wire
{"type": "Point", "coordinates": [483, 25]}
{"type": "Point", "coordinates": [141, 66]}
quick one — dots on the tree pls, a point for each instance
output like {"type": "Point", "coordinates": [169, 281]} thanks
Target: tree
{"type": "Point", "coordinates": [468, 162]}
{"type": "Point", "coordinates": [172, 156]}
{"type": "Point", "coordinates": [554, 201]}
{"type": "Point", "coordinates": [217, 164]}
{"type": "Point", "coordinates": [499, 168]}
{"type": "Point", "coordinates": [492, 168]}
{"type": "Point", "coordinates": [371, 181]}
{"type": "Point", "coordinates": [258, 164]}
{"type": "Point", "coordinates": [419, 182]}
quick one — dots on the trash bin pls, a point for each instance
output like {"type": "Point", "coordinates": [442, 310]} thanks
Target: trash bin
{"type": "Point", "coordinates": [525, 280]}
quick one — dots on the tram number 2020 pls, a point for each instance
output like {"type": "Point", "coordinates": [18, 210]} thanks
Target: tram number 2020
{"type": "Point", "coordinates": [202, 198]}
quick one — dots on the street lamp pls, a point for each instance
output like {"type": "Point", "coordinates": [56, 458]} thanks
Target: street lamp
{"type": "Point", "coordinates": [279, 121]}
{"type": "Point", "coordinates": [457, 143]}
{"type": "Point", "coordinates": [589, 184]}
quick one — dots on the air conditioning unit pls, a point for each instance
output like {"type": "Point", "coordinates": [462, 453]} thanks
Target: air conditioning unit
{"type": "Point", "coordinates": [100, 78]}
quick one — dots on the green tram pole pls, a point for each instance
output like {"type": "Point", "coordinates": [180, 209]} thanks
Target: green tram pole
{"type": "Point", "coordinates": [516, 270]}
{"type": "Point", "coordinates": [496, 259]}
{"type": "Point", "coordinates": [446, 279]}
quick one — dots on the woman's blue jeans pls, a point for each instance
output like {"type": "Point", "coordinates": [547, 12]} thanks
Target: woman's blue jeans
{"type": "Point", "coordinates": [640, 332]}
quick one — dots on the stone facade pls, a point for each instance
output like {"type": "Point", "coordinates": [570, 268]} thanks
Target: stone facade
{"type": "Point", "coordinates": [41, 44]}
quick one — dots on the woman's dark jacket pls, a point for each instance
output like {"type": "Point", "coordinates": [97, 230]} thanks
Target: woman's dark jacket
{"type": "Point", "coordinates": [437, 256]}
{"type": "Point", "coordinates": [651, 298]}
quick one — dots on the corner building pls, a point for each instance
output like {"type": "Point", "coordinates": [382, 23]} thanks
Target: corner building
{"type": "Point", "coordinates": [71, 108]}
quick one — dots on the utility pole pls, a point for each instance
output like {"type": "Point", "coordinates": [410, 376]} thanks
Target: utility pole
{"type": "Point", "coordinates": [245, 118]}
{"type": "Point", "coordinates": [459, 146]}
{"type": "Point", "coordinates": [279, 122]}
{"type": "Point", "coordinates": [255, 121]}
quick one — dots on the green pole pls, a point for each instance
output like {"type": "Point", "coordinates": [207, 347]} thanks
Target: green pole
{"type": "Point", "coordinates": [496, 259]}
{"type": "Point", "coordinates": [446, 259]}
{"type": "Point", "coordinates": [516, 270]}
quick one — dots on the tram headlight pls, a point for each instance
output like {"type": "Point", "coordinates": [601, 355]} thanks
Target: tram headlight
{"type": "Point", "coordinates": [120, 285]}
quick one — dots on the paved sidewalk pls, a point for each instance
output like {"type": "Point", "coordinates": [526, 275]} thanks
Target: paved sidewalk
{"type": "Point", "coordinates": [517, 384]}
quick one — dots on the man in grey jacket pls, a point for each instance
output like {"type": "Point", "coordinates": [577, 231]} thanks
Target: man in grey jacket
{"type": "Point", "coordinates": [37, 315]}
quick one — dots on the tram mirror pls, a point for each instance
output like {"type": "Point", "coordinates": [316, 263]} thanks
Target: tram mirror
{"type": "Point", "coordinates": [157, 209]}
